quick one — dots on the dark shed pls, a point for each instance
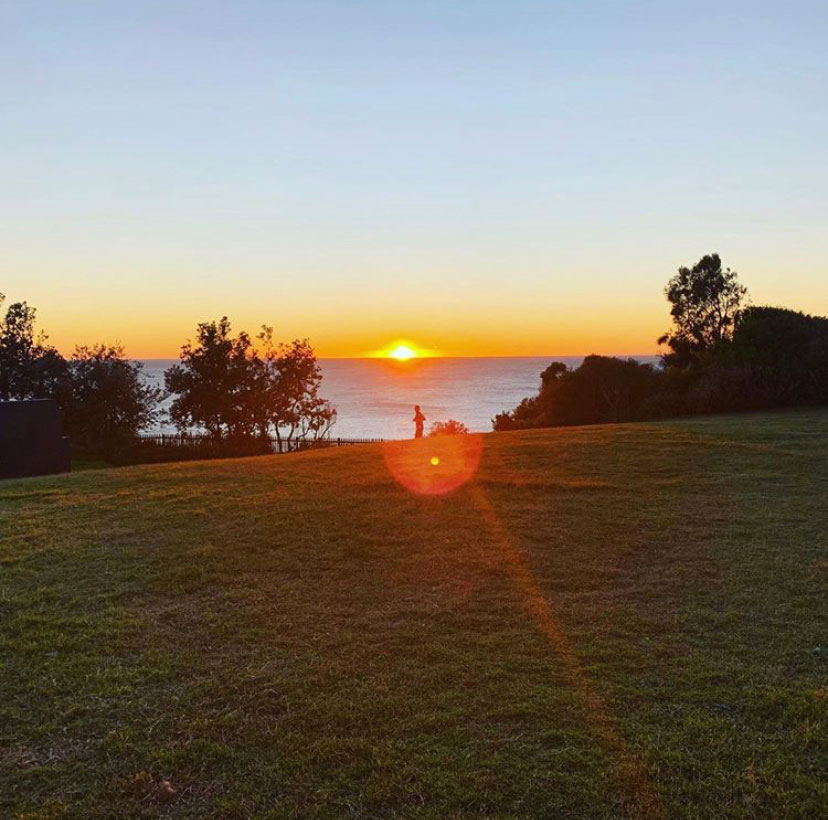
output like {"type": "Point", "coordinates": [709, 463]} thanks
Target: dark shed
{"type": "Point", "coordinates": [31, 439]}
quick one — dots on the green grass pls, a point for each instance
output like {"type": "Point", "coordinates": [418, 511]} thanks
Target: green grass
{"type": "Point", "coordinates": [620, 621]}
{"type": "Point", "coordinates": [85, 462]}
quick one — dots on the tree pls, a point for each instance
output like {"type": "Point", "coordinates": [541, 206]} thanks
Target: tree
{"type": "Point", "coordinates": [705, 303]}
{"type": "Point", "coordinates": [106, 404]}
{"type": "Point", "coordinates": [448, 428]}
{"type": "Point", "coordinates": [30, 368]}
{"type": "Point", "coordinates": [776, 358]}
{"type": "Point", "coordinates": [215, 382]}
{"type": "Point", "coordinates": [229, 387]}
{"type": "Point", "coordinates": [554, 373]}
{"type": "Point", "coordinates": [603, 389]}
{"type": "Point", "coordinates": [288, 402]}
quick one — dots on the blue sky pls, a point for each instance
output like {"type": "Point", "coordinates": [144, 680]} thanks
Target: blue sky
{"type": "Point", "coordinates": [516, 177]}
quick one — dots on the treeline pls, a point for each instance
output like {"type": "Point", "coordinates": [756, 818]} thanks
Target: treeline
{"type": "Point", "coordinates": [722, 356]}
{"type": "Point", "coordinates": [100, 392]}
{"type": "Point", "coordinates": [236, 390]}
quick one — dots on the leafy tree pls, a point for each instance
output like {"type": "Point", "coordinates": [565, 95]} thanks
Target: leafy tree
{"type": "Point", "coordinates": [105, 403]}
{"type": "Point", "coordinates": [723, 357]}
{"type": "Point", "coordinates": [776, 358]}
{"type": "Point", "coordinates": [30, 368]}
{"type": "Point", "coordinates": [229, 387]}
{"type": "Point", "coordinates": [524, 416]}
{"type": "Point", "coordinates": [214, 382]}
{"type": "Point", "coordinates": [288, 401]}
{"type": "Point", "coordinates": [448, 428]}
{"type": "Point", "coordinates": [705, 302]}
{"type": "Point", "coordinates": [603, 389]}
{"type": "Point", "coordinates": [553, 374]}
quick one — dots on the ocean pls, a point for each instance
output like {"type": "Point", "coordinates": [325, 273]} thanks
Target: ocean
{"type": "Point", "coordinates": [375, 398]}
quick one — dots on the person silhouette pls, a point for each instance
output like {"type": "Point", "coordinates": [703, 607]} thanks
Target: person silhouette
{"type": "Point", "coordinates": [419, 420]}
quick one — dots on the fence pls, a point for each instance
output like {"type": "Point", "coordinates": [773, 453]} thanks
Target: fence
{"type": "Point", "coordinates": [274, 444]}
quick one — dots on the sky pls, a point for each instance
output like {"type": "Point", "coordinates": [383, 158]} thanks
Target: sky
{"type": "Point", "coordinates": [480, 178]}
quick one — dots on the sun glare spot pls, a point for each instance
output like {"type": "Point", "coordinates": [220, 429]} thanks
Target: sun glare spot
{"type": "Point", "coordinates": [403, 350]}
{"type": "Point", "coordinates": [402, 353]}
{"type": "Point", "coordinates": [434, 465]}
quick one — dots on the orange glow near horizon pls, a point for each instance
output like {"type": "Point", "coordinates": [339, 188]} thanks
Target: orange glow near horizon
{"type": "Point", "coordinates": [162, 338]}
{"type": "Point", "coordinates": [150, 331]}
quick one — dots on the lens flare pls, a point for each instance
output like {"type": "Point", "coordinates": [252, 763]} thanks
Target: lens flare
{"type": "Point", "coordinates": [434, 465]}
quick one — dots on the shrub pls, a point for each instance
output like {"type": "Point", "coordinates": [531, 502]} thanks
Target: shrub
{"type": "Point", "coordinates": [448, 428]}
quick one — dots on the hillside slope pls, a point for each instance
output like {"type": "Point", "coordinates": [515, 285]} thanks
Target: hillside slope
{"type": "Point", "coordinates": [626, 620]}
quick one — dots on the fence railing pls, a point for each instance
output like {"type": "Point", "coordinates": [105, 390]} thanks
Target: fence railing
{"type": "Point", "coordinates": [274, 444]}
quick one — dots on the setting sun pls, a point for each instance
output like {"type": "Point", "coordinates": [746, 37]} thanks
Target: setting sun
{"type": "Point", "coordinates": [403, 350]}
{"type": "Point", "coordinates": [402, 353]}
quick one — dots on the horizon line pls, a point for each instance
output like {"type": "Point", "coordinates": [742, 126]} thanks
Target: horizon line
{"type": "Point", "coordinates": [425, 358]}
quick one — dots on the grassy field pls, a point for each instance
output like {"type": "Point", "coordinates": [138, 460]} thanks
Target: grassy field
{"type": "Point", "coordinates": [604, 622]}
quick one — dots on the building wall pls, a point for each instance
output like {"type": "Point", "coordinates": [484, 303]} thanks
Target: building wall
{"type": "Point", "coordinates": [31, 439]}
